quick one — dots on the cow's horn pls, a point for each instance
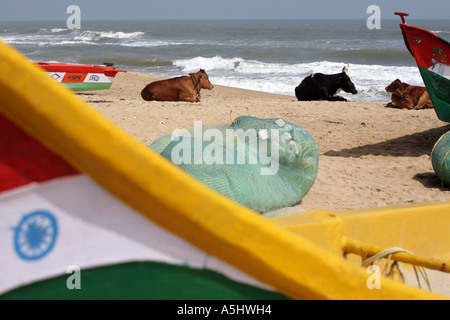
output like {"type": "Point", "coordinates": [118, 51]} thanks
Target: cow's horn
{"type": "Point", "coordinates": [345, 69]}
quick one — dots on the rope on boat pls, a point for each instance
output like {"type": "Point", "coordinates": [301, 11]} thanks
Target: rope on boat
{"type": "Point", "coordinates": [367, 250]}
{"type": "Point", "coordinates": [388, 253]}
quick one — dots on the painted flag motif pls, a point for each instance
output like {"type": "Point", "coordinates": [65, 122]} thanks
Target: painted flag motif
{"type": "Point", "coordinates": [81, 77]}
{"type": "Point", "coordinates": [55, 220]}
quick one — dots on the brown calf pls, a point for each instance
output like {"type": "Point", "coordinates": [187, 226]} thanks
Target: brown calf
{"type": "Point", "coordinates": [405, 96]}
{"type": "Point", "coordinates": [185, 88]}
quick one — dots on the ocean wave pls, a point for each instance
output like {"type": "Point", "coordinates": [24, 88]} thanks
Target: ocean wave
{"type": "Point", "coordinates": [56, 30]}
{"type": "Point", "coordinates": [286, 86]}
{"type": "Point", "coordinates": [214, 63]}
{"type": "Point", "coordinates": [149, 43]}
{"type": "Point", "coordinates": [242, 66]}
{"type": "Point", "coordinates": [64, 43]}
{"type": "Point", "coordinates": [128, 62]}
{"type": "Point", "coordinates": [277, 86]}
{"type": "Point", "coordinates": [282, 78]}
{"type": "Point", "coordinates": [238, 65]}
{"type": "Point", "coordinates": [440, 31]}
{"type": "Point", "coordinates": [98, 35]}
{"type": "Point", "coordinates": [46, 43]}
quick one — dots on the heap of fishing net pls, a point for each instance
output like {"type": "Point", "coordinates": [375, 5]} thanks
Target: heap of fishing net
{"type": "Point", "coordinates": [440, 158]}
{"type": "Point", "coordinates": [264, 164]}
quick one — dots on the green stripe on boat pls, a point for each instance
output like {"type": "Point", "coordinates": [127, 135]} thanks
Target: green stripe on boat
{"type": "Point", "coordinates": [86, 86]}
{"type": "Point", "coordinates": [439, 90]}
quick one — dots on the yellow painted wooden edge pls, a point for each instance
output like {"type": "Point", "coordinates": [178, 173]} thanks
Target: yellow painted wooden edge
{"type": "Point", "coordinates": [421, 228]}
{"type": "Point", "coordinates": [172, 199]}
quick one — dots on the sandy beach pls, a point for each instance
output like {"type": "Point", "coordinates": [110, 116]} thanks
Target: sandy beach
{"type": "Point", "coordinates": [370, 155]}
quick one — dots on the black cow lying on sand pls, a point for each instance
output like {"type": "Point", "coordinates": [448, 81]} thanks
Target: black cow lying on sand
{"type": "Point", "coordinates": [319, 86]}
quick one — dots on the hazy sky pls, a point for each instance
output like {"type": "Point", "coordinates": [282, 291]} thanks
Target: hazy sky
{"type": "Point", "coordinates": [38, 10]}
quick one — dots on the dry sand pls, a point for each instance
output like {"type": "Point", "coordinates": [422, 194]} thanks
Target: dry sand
{"type": "Point", "coordinates": [370, 155]}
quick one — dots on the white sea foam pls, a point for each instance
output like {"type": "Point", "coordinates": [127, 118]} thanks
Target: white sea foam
{"type": "Point", "coordinates": [278, 86]}
{"type": "Point", "coordinates": [441, 31]}
{"type": "Point", "coordinates": [97, 35]}
{"type": "Point", "coordinates": [214, 63]}
{"type": "Point", "coordinates": [121, 35]}
{"type": "Point", "coordinates": [57, 37]}
{"type": "Point", "coordinates": [282, 78]}
{"type": "Point", "coordinates": [149, 43]}
{"type": "Point", "coordinates": [56, 30]}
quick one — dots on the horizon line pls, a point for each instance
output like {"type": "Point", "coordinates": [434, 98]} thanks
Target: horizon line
{"type": "Point", "coordinates": [221, 19]}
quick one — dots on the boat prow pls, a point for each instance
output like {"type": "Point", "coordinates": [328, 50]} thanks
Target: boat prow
{"type": "Point", "coordinates": [432, 55]}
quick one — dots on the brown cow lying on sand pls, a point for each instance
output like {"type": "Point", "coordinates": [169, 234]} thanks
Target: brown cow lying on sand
{"type": "Point", "coordinates": [185, 88]}
{"type": "Point", "coordinates": [405, 96]}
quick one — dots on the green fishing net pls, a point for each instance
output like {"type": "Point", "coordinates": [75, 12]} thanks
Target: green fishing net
{"type": "Point", "coordinates": [264, 164]}
{"type": "Point", "coordinates": [440, 158]}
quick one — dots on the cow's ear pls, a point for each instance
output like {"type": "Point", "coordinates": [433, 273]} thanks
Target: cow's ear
{"type": "Point", "coordinates": [345, 69]}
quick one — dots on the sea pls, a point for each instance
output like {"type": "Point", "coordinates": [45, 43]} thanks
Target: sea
{"type": "Point", "coordinates": [264, 55]}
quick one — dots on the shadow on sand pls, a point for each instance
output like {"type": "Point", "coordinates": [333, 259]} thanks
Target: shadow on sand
{"type": "Point", "coordinates": [430, 180]}
{"type": "Point", "coordinates": [414, 145]}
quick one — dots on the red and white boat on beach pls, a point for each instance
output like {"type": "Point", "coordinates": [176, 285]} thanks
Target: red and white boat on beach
{"type": "Point", "coordinates": [78, 77]}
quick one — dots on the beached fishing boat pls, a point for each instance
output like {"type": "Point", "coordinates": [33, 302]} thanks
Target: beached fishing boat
{"type": "Point", "coordinates": [89, 212]}
{"type": "Point", "coordinates": [432, 55]}
{"type": "Point", "coordinates": [80, 77]}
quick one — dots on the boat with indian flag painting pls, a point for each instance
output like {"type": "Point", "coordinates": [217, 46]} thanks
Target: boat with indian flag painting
{"type": "Point", "coordinates": [82, 77]}
{"type": "Point", "coordinates": [432, 55]}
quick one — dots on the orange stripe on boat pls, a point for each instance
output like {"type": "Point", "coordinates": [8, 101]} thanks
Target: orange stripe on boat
{"type": "Point", "coordinates": [74, 77]}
